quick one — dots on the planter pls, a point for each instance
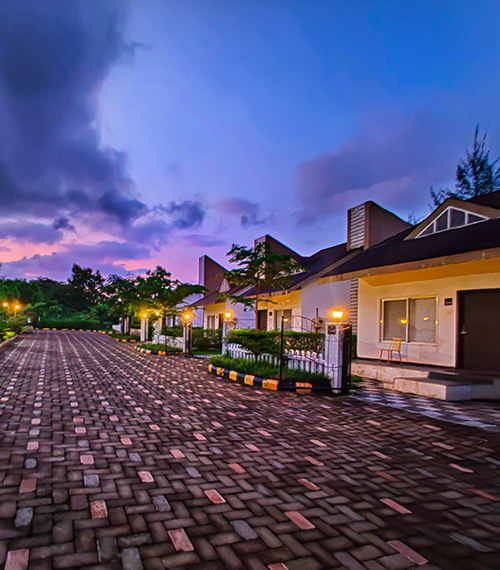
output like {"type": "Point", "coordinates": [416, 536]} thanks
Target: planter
{"type": "Point", "coordinates": [269, 384]}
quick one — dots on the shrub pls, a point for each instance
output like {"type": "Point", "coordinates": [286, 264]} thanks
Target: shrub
{"type": "Point", "coordinates": [173, 332]}
{"type": "Point", "coordinates": [314, 342]}
{"type": "Point", "coordinates": [257, 342]}
{"type": "Point", "coordinates": [77, 322]}
{"type": "Point", "coordinates": [265, 370]}
{"type": "Point", "coordinates": [206, 339]}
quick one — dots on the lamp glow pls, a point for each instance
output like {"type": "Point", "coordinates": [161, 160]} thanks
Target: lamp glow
{"type": "Point", "coordinates": [144, 316]}
{"type": "Point", "coordinates": [228, 314]}
{"type": "Point", "coordinates": [337, 314]}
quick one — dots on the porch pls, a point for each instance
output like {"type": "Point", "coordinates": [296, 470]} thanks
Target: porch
{"type": "Point", "coordinates": [431, 381]}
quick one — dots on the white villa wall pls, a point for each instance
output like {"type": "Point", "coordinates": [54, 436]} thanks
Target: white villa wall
{"type": "Point", "coordinates": [244, 319]}
{"type": "Point", "coordinates": [443, 352]}
{"type": "Point", "coordinates": [325, 297]}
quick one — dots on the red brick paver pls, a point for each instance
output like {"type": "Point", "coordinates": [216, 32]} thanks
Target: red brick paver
{"type": "Point", "coordinates": [113, 459]}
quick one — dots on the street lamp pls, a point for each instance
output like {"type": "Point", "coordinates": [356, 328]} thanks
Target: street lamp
{"type": "Point", "coordinates": [283, 321]}
{"type": "Point", "coordinates": [187, 333]}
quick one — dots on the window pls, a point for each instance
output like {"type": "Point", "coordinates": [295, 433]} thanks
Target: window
{"type": "Point", "coordinates": [211, 321]}
{"type": "Point", "coordinates": [394, 319]}
{"type": "Point", "coordinates": [451, 218]}
{"type": "Point", "coordinates": [287, 314]}
{"type": "Point", "coordinates": [412, 320]}
{"type": "Point", "coordinates": [422, 320]}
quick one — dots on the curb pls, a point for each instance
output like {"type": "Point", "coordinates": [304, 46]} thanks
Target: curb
{"type": "Point", "coordinates": [9, 340]}
{"type": "Point", "coordinates": [158, 352]}
{"type": "Point", "coordinates": [251, 380]}
{"type": "Point", "coordinates": [65, 329]}
{"type": "Point", "coordinates": [86, 330]}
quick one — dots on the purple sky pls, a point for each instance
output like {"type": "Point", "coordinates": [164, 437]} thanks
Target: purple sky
{"type": "Point", "coordinates": [156, 131]}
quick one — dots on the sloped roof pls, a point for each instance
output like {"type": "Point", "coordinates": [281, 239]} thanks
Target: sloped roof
{"type": "Point", "coordinates": [490, 200]}
{"type": "Point", "coordinates": [396, 250]}
{"type": "Point", "coordinates": [313, 264]}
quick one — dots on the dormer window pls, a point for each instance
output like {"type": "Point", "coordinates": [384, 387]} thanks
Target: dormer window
{"type": "Point", "coordinates": [449, 219]}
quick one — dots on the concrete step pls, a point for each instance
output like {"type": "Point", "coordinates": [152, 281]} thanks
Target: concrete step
{"type": "Point", "coordinates": [463, 376]}
{"type": "Point", "coordinates": [439, 388]}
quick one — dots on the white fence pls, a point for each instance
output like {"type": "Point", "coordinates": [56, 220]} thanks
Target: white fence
{"type": "Point", "coordinates": [173, 342]}
{"type": "Point", "coordinates": [297, 359]}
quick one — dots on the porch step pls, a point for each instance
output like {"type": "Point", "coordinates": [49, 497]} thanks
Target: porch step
{"type": "Point", "coordinates": [439, 388]}
{"type": "Point", "coordinates": [463, 376]}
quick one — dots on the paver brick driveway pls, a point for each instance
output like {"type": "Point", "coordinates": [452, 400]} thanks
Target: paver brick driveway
{"type": "Point", "coordinates": [114, 459]}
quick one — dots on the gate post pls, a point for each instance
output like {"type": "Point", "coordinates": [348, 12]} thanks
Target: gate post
{"type": "Point", "coordinates": [337, 354]}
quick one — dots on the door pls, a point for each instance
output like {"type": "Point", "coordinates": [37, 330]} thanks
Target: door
{"type": "Point", "coordinates": [479, 330]}
{"type": "Point", "coordinates": [263, 320]}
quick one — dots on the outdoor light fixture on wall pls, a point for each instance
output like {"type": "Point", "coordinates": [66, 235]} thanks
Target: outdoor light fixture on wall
{"type": "Point", "coordinates": [337, 314]}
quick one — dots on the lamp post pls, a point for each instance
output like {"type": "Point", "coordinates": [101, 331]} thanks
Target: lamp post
{"type": "Point", "coordinates": [225, 329]}
{"type": "Point", "coordinates": [187, 318]}
{"type": "Point", "coordinates": [283, 321]}
{"type": "Point", "coordinates": [144, 327]}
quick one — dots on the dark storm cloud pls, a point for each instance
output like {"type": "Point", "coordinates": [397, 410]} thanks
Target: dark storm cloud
{"type": "Point", "coordinates": [30, 232]}
{"type": "Point", "coordinates": [54, 56]}
{"type": "Point", "coordinates": [394, 161]}
{"type": "Point", "coordinates": [108, 256]}
{"type": "Point", "coordinates": [250, 214]}
{"type": "Point", "coordinates": [187, 214]}
{"type": "Point", "coordinates": [63, 223]}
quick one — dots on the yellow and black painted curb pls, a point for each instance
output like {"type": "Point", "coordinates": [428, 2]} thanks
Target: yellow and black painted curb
{"type": "Point", "coordinates": [88, 330]}
{"type": "Point", "coordinates": [73, 330]}
{"type": "Point", "coordinates": [251, 380]}
{"type": "Point", "coordinates": [159, 352]}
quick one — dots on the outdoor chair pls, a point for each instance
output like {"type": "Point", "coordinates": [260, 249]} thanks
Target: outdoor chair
{"type": "Point", "coordinates": [394, 347]}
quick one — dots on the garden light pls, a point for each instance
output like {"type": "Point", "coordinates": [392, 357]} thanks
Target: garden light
{"type": "Point", "coordinates": [16, 307]}
{"type": "Point", "coordinates": [337, 314]}
{"type": "Point", "coordinates": [186, 317]}
{"type": "Point", "coordinates": [4, 304]}
{"type": "Point", "coordinates": [144, 316]}
{"type": "Point", "coordinates": [228, 314]}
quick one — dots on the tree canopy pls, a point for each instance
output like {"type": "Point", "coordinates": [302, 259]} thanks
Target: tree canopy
{"type": "Point", "coordinates": [258, 267]}
{"type": "Point", "coordinates": [476, 174]}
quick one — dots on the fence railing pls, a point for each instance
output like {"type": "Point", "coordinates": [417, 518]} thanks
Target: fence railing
{"type": "Point", "coordinates": [173, 342]}
{"type": "Point", "coordinates": [295, 359]}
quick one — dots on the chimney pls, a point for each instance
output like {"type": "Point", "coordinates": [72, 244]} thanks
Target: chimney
{"type": "Point", "coordinates": [209, 273]}
{"type": "Point", "coordinates": [369, 224]}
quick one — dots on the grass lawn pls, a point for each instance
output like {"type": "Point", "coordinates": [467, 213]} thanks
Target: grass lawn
{"type": "Point", "coordinates": [158, 347]}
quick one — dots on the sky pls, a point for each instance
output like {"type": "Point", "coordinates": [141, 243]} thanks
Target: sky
{"type": "Point", "coordinates": [156, 131]}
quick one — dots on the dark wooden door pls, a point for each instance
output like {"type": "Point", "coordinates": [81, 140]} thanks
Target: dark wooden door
{"type": "Point", "coordinates": [479, 330]}
{"type": "Point", "coordinates": [263, 320]}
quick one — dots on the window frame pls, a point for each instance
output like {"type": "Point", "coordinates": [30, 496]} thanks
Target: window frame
{"type": "Point", "coordinates": [407, 318]}
{"type": "Point", "coordinates": [448, 222]}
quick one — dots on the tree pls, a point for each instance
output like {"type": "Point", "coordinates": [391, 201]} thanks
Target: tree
{"type": "Point", "coordinates": [475, 174]}
{"type": "Point", "coordinates": [160, 294]}
{"type": "Point", "coordinates": [258, 267]}
{"type": "Point", "coordinates": [87, 286]}
{"type": "Point", "coordinates": [122, 295]}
